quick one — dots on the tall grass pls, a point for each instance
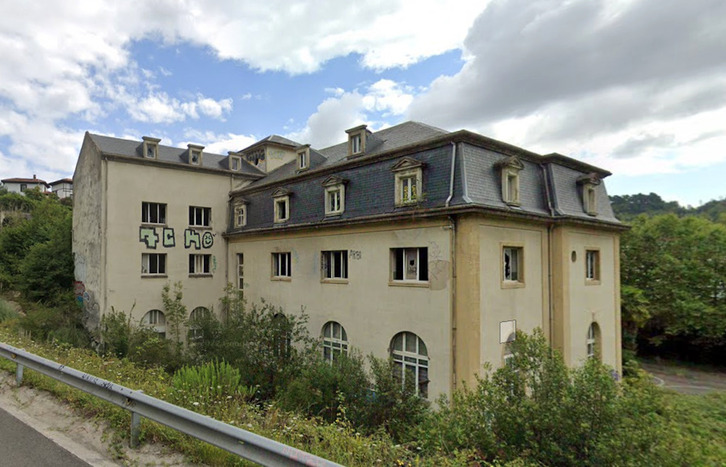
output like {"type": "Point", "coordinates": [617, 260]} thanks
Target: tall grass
{"type": "Point", "coordinates": [6, 311]}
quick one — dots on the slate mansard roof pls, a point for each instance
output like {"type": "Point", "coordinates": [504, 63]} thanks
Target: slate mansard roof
{"type": "Point", "coordinates": [125, 148]}
{"type": "Point", "coordinates": [549, 186]}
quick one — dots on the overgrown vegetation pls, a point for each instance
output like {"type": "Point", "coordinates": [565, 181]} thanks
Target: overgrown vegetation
{"type": "Point", "coordinates": [534, 412]}
{"type": "Point", "coordinates": [36, 261]}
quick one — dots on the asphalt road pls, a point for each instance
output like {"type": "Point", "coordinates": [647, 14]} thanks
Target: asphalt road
{"type": "Point", "coordinates": [22, 446]}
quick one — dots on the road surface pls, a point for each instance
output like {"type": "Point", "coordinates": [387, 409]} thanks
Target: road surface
{"type": "Point", "coordinates": [22, 446]}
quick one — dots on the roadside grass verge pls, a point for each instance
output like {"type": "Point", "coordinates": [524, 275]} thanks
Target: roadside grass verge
{"type": "Point", "coordinates": [338, 441]}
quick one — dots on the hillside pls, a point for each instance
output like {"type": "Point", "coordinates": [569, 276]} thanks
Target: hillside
{"type": "Point", "coordinates": [627, 207]}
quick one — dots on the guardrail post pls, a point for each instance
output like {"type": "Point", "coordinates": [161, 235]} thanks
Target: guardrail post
{"type": "Point", "coordinates": [135, 430]}
{"type": "Point", "coordinates": [19, 374]}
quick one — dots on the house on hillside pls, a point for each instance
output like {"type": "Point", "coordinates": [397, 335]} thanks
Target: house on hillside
{"type": "Point", "coordinates": [63, 188]}
{"type": "Point", "coordinates": [430, 246]}
{"type": "Point", "coordinates": [20, 185]}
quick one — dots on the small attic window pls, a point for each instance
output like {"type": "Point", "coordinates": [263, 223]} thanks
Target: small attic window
{"type": "Point", "coordinates": [356, 140]}
{"type": "Point", "coordinates": [235, 162]}
{"type": "Point", "coordinates": [509, 169]}
{"type": "Point", "coordinates": [589, 185]}
{"type": "Point", "coordinates": [150, 147]}
{"type": "Point", "coordinates": [195, 154]}
{"type": "Point", "coordinates": [303, 158]}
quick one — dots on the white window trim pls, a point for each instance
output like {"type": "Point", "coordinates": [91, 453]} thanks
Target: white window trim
{"type": "Point", "coordinates": [593, 253]}
{"type": "Point", "coordinates": [150, 145]}
{"type": "Point", "coordinates": [240, 215]}
{"type": "Point", "coordinates": [415, 174]}
{"type": "Point", "coordinates": [404, 357]}
{"type": "Point", "coordinates": [510, 186]}
{"type": "Point", "coordinates": [281, 199]}
{"type": "Point", "coordinates": [418, 282]}
{"type": "Point", "coordinates": [199, 264]}
{"type": "Point", "coordinates": [328, 274]}
{"type": "Point", "coordinates": [205, 212]}
{"type": "Point", "coordinates": [240, 271]}
{"type": "Point", "coordinates": [329, 211]}
{"type": "Point", "coordinates": [592, 342]}
{"type": "Point", "coordinates": [147, 207]}
{"type": "Point", "coordinates": [334, 345]}
{"type": "Point", "coordinates": [195, 152]}
{"type": "Point", "coordinates": [146, 265]}
{"type": "Point", "coordinates": [303, 160]}
{"type": "Point", "coordinates": [235, 160]}
{"type": "Point", "coordinates": [281, 262]}
{"type": "Point", "coordinates": [155, 319]}
{"type": "Point", "coordinates": [508, 282]}
{"type": "Point", "coordinates": [356, 144]}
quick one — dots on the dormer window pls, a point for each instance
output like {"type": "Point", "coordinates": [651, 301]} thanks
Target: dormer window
{"type": "Point", "coordinates": [303, 157]}
{"type": "Point", "coordinates": [356, 140]}
{"type": "Point", "coordinates": [510, 168]}
{"type": "Point", "coordinates": [408, 181]}
{"type": "Point", "coordinates": [150, 147]}
{"type": "Point", "coordinates": [589, 185]}
{"type": "Point", "coordinates": [235, 162]}
{"type": "Point", "coordinates": [281, 205]}
{"type": "Point", "coordinates": [240, 214]}
{"type": "Point", "coordinates": [195, 154]}
{"type": "Point", "coordinates": [334, 196]}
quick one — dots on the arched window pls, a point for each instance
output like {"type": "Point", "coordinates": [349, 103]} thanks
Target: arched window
{"type": "Point", "coordinates": [335, 341]}
{"type": "Point", "coordinates": [412, 360]}
{"type": "Point", "coordinates": [157, 320]}
{"type": "Point", "coordinates": [593, 341]}
{"type": "Point", "coordinates": [198, 314]}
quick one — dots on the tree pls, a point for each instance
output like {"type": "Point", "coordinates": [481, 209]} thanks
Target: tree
{"type": "Point", "coordinates": [676, 267]}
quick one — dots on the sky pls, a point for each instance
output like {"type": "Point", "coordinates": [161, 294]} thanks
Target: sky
{"type": "Point", "coordinates": [637, 87]}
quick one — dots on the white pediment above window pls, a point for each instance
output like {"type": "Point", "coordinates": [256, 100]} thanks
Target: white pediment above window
{"type": "Point", "coordinates": [281, 192]}
{"type": "Point", "coordinates": [334, 180]}
{"type": "Point", "coordinates": [407, 163]}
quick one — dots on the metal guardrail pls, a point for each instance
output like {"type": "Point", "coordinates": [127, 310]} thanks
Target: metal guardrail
{"type": "Point", "coordinates": [248, 445]}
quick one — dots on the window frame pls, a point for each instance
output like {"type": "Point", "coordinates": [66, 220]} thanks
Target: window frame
{"type": "Point", "coordinates": [404, 358]}
{"type": "Point", "coordinates": [414, 191]}
{"type": "Point", "coordinates": [146, 263]}
{"type": "Point", "coordinates": [200, 213]}
{"type": "Point", "coordinates": [281, 266]}
{"type": "Point", "coordinates": [157, 320]}
{"type": "Point", "coordinates": [592, 266]}
{"type": "Point", "coordinates": [507, 279]}
{"type": "Point", "coordinates": [303, 160]}
{"type": "Point", "coordinates": [240, 271]}
{"type": "Point", "coordinates": [235, 163]}
{"type": "Point", "coordinates": [334, 346]}
{"type": "Point", "coordinates": [194, 333]}
{"type": "Point", "coordinates": [277, 201]}
{"type": "Point", "coordinates": [356, 144]}
{"type": "Point", "coordinates": [195, 153]}
{"type": "Point", "coordinates": [328, 263]}
{"type": "Point", "coordinates": [510, 186]}
{"type": "Point", "coordinates": [593, 341]}
{"type": "Point", "coordinates": [240, 215]}
{"type": "Point", "coordinates": [146, 210]}
{"type": "Point", "coordinates": [420, 254]}
{"type": "Point", "coordinates": [200, 264]}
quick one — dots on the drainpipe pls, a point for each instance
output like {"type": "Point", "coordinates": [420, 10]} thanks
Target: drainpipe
{"type": "Point", "coordinates": [453, 170]}
{"type": "Point", "coordinates": [550, 229]}
{"type": "Point", "coordinates": [452, 252]}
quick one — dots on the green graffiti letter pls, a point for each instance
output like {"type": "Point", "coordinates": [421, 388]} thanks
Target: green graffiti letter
{"type": "Point", "coordinates": [168, 238]}
{"type": "Point", "coordinates": [148, 236]}
{"type": "Point", "coordinates": [207, 240]}
{"type": "Point", "coordinates": [191, 237]}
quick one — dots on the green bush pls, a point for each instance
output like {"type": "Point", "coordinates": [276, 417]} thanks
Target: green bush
{"type": "Point", "coordinates": [539, 410]}
{"type": "Point", "coordinates": [325, 389]}
{"type": "Point", "coordinates": [115, 334]}
{"type": "Point", "coordinates": [7, 312]}
{"type": "Point", "coordinates": [208, 384]}
{"type": "Point", "coordinates": [61, 323]}
{"type": "Point", "coordinates": [268, 346]}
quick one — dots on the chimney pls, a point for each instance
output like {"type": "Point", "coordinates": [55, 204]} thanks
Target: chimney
{"type": "Point", "coordinates": [34, 177]}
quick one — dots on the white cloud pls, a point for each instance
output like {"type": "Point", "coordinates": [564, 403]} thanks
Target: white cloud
{"type": "Point", "coordinates": [383, 99]}
{"type": "Point", "coordinates": [218, 143]}
{"type": "Point", "coordinates": [632, 86]}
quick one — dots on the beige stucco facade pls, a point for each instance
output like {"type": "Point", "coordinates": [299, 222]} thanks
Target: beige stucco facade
{"type": "Point", "coordinates": [490, 268]}
{"type": "Point", "coordinates": [110, 237]}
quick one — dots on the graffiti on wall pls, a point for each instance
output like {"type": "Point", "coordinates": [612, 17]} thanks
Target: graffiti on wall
{"type": "Point", "coordinates": [192, 238]}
